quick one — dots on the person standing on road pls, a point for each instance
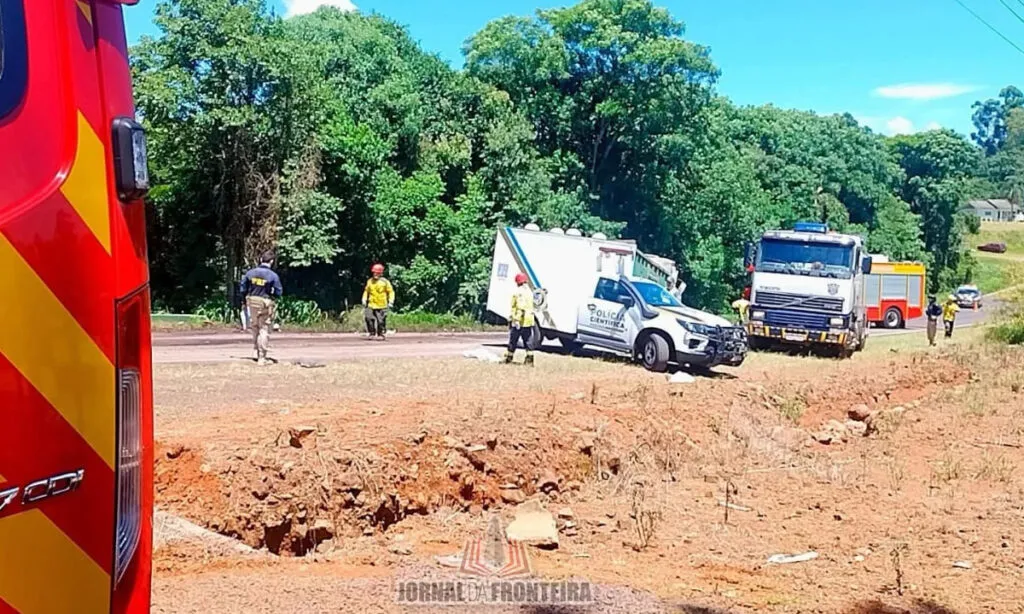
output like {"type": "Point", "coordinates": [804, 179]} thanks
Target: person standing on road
{"type": "Point", "coordinates": [949, 311]}
{"type": "Point", "coordinates": [933, 311]}
{"type": "Point", "coordinates": [261, 287]}
{"type": "Point", "coordinates": [521, 320]}
{"type": "Point", "coordinates": [378, 298]}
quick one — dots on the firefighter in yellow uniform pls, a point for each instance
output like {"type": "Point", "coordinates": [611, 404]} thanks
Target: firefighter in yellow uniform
{"type": "Point", "coordinates": [949, 311]}
{"type": "Point", "coordinates": [378, 298]}
{"type": "Point", "coordinates": [521, 320]}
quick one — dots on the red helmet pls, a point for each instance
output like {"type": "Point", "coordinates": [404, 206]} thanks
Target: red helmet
{"type": "Point", "coordinates": [377, 268]}
{"type": "Point", "coordinates": [520, 279]}
{"type": "Point", "coordinates": [746, 293]}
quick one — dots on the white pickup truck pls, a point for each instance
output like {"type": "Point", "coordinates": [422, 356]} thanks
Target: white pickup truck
{"type": "Point", "coordinates": [608, 294]}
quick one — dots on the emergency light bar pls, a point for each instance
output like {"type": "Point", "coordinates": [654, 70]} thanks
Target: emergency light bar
{"type": "Point", "coordinates": [817, 227]}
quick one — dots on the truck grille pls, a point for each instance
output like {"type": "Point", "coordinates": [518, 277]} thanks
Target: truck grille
{"type": "Point", "coordinates": [799, 319]}
{"type": "Point", "coordinates": [798, 301]}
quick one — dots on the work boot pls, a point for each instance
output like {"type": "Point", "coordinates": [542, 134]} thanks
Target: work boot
{"type": "Point", "coordinates": [529, 360]}
{"type": "Point", "coordinates": [255, 354]}
{"type": "Point", "coordinates": [508, 357]}
{"type": "Point", "coordinates": [261, 361]}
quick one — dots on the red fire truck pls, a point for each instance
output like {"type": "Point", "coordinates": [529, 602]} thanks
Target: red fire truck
{"type": "Point", "coordinates": [894, 292]}
{"type": "Point", "coordinates": [76, 426]}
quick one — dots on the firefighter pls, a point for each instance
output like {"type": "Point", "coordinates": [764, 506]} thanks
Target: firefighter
{"type": "Point", "coordinates": [261, 287]}
{"type": "Point", "coordinates": [521, 320]}
{"type": "Point", "coordinates": [742, 305]}
{"type": "Point", "coordinates": [933, 312]}
{"type": "Point", "coordinates": [949, 311]}
{"type": "Point", "coordinates": [378, 298]}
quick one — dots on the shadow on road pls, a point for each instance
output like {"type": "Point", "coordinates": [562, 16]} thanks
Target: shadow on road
{"type": "Point", "coordinates": [595, 354]}
{"type": "Point", "coordinates": [865, 607]}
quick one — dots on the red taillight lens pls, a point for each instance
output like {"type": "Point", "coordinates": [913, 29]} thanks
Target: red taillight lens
{"type": "Point", "coordinates": [129, 433]}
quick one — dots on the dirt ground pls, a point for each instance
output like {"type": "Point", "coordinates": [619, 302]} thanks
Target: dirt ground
{"type": "Point", "coordinates": [346, 478]}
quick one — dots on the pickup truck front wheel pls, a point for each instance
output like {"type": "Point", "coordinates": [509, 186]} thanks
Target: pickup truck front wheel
{"type": "Point", "coordinates": [655, 353]}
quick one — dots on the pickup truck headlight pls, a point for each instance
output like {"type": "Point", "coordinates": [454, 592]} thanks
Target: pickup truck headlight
{"type": "Point", "coordinates": [836, 322]}
{"type": "Point", "coordinates": [698, 328]}
{"type": "Point", "coordinates": [757, 315]}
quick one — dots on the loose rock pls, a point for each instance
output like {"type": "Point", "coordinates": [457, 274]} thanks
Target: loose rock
{"type": "Point", "coordinates": [859, 413]}
{"type": "Point", "coordinates": [533, 525]}
{"type": "Point", "coordinates": [513, 496]}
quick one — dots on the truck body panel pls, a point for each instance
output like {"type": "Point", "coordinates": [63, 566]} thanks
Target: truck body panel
{"type": "Point", "coordinates": [75, 481]}
{"type": "Point", "coordinates": [807, 289]}
{"type": "Point", "coordinates": [894, 288]}
{"type": "Point", "coordinates": [608, 294]}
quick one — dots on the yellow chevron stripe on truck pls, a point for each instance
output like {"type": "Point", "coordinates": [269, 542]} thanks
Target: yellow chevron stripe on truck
{"type": "Point", "coordinates": [47, 572]}
{"type": "Point", "coordinates": [50, 348]}
{"type": "Point", "coordinates": [86, 185]}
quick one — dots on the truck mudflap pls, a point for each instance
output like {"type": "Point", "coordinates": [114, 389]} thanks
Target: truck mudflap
{"type": "Point", "coordinates": [727, 347]}
{"type": "Point", "coordinates": [790, 334]}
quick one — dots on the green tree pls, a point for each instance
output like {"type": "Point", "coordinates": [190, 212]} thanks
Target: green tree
{"type": "Point", "coordinates": [939, 166]}
{"type": "Point", "coordinates": [990, 119]}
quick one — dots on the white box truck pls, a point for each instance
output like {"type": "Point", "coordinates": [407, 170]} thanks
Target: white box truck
{"type": "Point", "coordinates": [608, 294]}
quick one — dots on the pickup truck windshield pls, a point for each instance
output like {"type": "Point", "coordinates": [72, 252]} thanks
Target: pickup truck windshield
{"type": "Point", "coordinates": [805, 258]}
{"type": "Point", "coordinates": [655, 296]}
{"type": "Point", "coordinates": [13, 64]}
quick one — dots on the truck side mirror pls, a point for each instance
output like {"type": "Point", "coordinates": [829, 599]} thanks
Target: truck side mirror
{"type": "Point", "coordinates": [865, 265]}
{"type": "Point", "coordinates": [627, 301]}
{"type": "Point", "coordinates": [748, 255]}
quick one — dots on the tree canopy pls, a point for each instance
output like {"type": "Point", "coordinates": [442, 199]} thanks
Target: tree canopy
{"type": "Point", "coordinates": [335, 139]}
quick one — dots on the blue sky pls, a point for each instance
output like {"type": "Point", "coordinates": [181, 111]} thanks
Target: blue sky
{"type": "Point", "coordinates": [898, 65]}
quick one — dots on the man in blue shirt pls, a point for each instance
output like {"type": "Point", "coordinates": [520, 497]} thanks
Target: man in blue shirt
{"type": "Point", "coordinates": [261, 287]}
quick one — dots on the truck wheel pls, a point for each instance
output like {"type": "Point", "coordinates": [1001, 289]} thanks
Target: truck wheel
{"type": "Point", "coordinates": [570, 344]}
{"type": "Point", "coordinates": [654, 353]}
{"type": "Point", "coordinates": [536, 337]}
{"type": "Point", "coordinates": [893, 318]}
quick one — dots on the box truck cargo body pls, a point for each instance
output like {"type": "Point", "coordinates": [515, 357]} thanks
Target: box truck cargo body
{"type": "Point", "coordinates": [608, 294]}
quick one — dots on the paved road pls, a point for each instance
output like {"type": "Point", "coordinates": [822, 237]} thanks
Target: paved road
{"type": "Point", "coordinates": [289, 347]}
{"type": "Point", "coordinates": [966, 317]}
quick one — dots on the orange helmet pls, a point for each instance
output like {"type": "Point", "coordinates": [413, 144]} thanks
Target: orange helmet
{"type": "Point", "coordinates": [377, 268]}
{"type": "Point", "coordinates": [520, 279]}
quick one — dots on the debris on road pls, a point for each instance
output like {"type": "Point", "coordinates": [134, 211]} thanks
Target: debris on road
{"type": "Point", "coordinates": [786, 559]}
{"type": "Point", "coordinates": [733, 506]}
{"type": "Point", "coordinates": [681, 377]}
{"type": "Point", "coordinates": [963, 565]}
{"type": "Point", "coordinates": [482, 355]}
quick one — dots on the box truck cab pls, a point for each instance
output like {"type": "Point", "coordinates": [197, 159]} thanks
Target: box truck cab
{"type": "Point", "coordinates": [807, 289]}
{"type": "Point", "coordinates": [592, 291]}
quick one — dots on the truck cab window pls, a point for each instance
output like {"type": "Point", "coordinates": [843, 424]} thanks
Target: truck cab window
{"type": "Point", "coordinates": [609, 290]}
{"type": "Point", "coordinates": [13, 55]}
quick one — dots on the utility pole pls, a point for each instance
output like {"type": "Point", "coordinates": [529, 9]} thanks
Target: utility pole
{"type": "Point", "coordinates": [818, 203]}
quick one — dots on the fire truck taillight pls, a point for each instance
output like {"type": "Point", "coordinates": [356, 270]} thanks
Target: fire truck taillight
{"type": "Point", "coordinates": [130, 159]}
{"type": "Point", "coordinates": [129, 435]}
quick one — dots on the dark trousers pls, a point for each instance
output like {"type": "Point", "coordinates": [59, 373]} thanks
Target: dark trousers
{"type": "Point", "coordinates": [376, 321]}
{"type": "Point", "coordinates": [515, 334]}
{"type": "Point", "coordinates": [949, 328]}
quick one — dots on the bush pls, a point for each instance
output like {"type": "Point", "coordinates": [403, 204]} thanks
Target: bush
{"type": "Point", "coordinates": [414, 321]}
{"type": "Point", "coordinates": [298, 312]}
{"type": "Point", "coordinates": [1010, 331]}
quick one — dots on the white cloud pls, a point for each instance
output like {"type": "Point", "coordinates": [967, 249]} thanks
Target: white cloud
{"type": "Point", "coordinates": [890, 125]}
{"type": "Point", "coordinates": [303, 7]}
{"type": "Point", "coordinates": [899, 125]}
{"type": "Point", "coordinates": [933, 126]}
{"type": "Point", "coordinates": [924, 91]}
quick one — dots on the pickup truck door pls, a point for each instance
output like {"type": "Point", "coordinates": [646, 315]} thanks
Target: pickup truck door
{"type": "Point", "coordinates": [603, 319]}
